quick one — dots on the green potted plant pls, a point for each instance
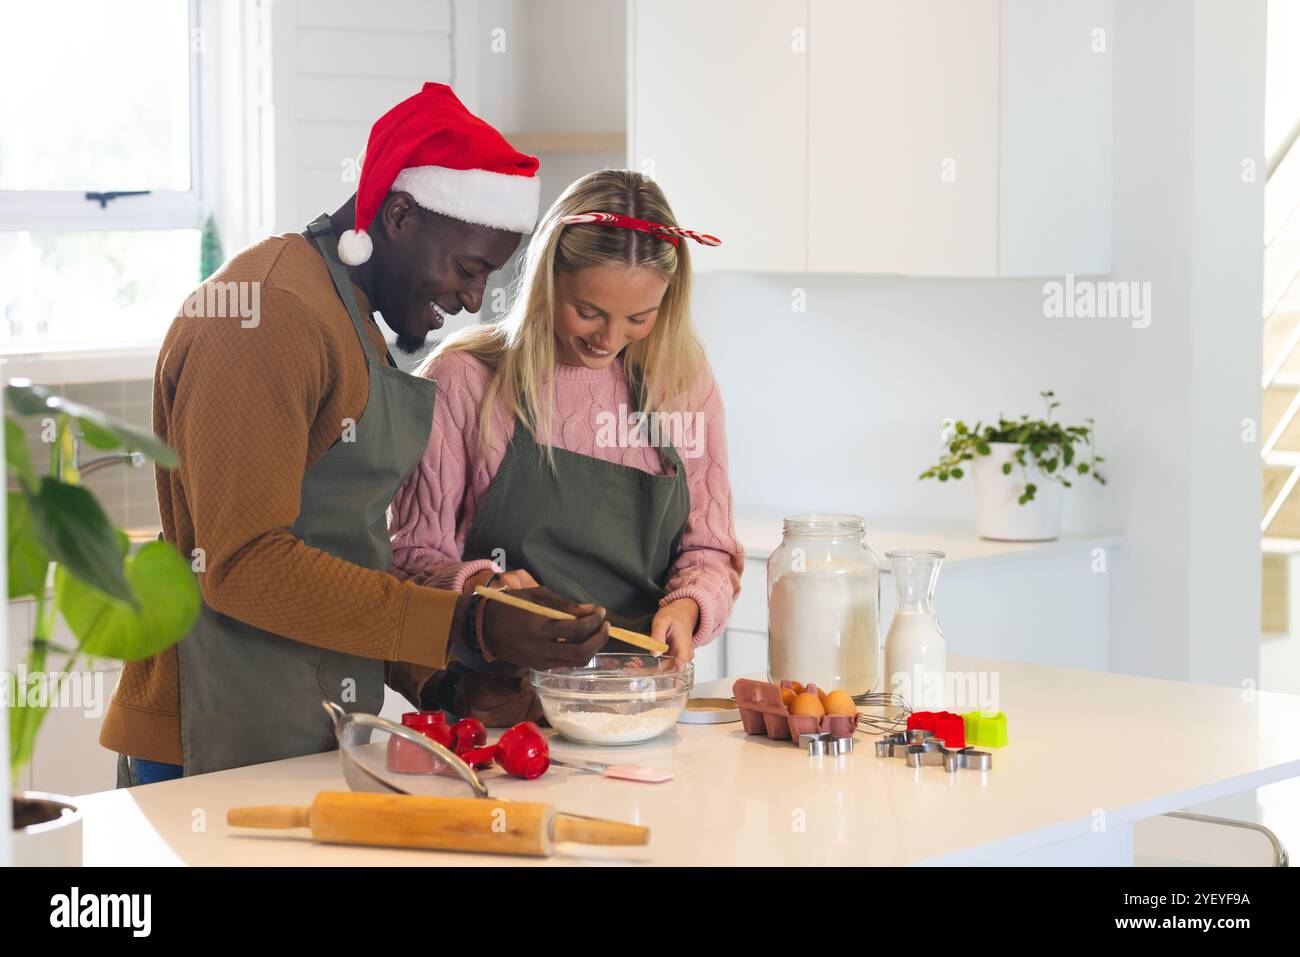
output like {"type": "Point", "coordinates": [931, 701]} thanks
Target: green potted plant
{"type": "Point", "coordinates": [65, 553]}
{"type": "Point", "coordinates": [1021, 468]}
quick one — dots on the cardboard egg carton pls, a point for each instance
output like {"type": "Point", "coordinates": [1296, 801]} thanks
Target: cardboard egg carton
{"type": "Point", "coordinates": [762, 712]}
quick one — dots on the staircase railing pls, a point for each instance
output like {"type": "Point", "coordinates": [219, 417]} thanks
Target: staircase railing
{"type": "Point", "coordinates": [1281, 272]}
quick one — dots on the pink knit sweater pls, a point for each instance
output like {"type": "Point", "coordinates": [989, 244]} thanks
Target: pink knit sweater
{"type": "Point", "coordinates": [432, 513]}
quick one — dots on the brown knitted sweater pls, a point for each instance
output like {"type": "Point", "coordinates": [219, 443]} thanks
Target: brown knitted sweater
{"type": "Point", "coordinates": [248, 410]}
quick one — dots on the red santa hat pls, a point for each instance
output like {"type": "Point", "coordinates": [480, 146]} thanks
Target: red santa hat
{"type": "Point", "coordinates": [450, 161]}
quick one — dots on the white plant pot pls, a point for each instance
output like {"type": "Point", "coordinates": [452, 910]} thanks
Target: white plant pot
{"type": "Point", "coordinates": [998, 512]}
{"type": "Point", "coordinates": [55, 843]}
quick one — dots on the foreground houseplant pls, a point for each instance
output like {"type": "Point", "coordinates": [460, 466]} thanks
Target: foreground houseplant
{"type": "Point", "coordinates": [1021, 469]}
{"type": "Point", "coordinates": [117, 603]}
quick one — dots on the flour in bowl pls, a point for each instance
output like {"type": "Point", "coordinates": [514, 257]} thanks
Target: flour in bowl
{"type": "Point", "coordinates": [604, 727]}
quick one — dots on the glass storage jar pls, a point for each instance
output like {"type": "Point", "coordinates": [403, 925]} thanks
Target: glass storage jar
{"type": "Point", "coordinates": [823, 602]}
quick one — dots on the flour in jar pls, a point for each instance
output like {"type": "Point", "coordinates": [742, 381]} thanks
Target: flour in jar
{"type": "Point", "coordinates": [823, 627]}
{"type": "Point", "coordinates": [604, 727]}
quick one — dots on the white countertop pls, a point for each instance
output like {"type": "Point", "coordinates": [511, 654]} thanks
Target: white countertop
{"type": "Point", "coordinates": [759, 532]}
{"type": "Point", "coordinates": [1080, 742]}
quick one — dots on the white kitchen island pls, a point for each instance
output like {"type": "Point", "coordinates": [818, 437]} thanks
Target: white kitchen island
{"type": "Point", "coordinates": [1089, 755]}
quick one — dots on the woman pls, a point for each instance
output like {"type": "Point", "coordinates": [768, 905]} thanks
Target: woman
{"type": "Point", "coordinates": [580, 442]}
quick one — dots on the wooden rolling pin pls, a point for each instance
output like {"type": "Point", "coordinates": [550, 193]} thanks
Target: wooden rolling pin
{"type": "Point", "coordinates": [443, 824]}
{"type": "Point", "coordinates": [622, 634]}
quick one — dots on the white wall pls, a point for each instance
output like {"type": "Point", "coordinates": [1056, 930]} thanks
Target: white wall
{"type": "Point", "coordinates": [840, 407]}
{"type": "Point", "coordinates": [337, 66]}
{"type": "Point", "coordinates": [556, 65]}
{"type": "Point", "coordinates": [1226, 294]}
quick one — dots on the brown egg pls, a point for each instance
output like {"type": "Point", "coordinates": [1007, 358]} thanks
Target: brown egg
{"type": "Point", "coordinates": [787, 696]}
{"type": "Point", "coordinates": [839, 702]}
{"type": "Point", "coordinates": [807, 704]}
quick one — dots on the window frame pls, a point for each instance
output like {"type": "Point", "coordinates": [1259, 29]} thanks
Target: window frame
{"type": "Point", "coordinates": [50, 210]}
{"type": "Point", "coordinates": [71, 211]}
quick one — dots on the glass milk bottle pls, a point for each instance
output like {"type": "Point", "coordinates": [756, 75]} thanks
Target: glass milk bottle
{"type": "Point", "coordinates": [916, 660]}
{"type": "Point", "coordinates": [823, 601]}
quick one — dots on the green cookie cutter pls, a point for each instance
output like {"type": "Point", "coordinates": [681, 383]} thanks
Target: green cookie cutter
{"type": "Point", "coordinates": [985, 729]}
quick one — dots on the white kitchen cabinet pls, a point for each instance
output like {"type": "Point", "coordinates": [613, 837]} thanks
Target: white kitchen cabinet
{"type": "Point", "coordinates": [929, 138]}
{"type": "Point", "coordinates": [902, 137]}
{"type": "Point", "coordinates": [717, 108]}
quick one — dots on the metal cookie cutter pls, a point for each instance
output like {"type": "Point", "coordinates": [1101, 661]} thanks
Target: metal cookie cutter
{"type": "Point", "coordinates": [822, 744]}
{"type": "Point", "coordinates": [895, 745]}
{"type": "Point", "coordinates": [922, 747]}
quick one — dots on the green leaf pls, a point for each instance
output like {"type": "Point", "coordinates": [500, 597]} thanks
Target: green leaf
{"type": "Point", "coordinates": [1082, 468]}
{"type": "Point", "coordinates": [1006, 468]}
{"type": "Point", "coordinates": [961, 428]}
{"type": "Point", "coordinates": [16, 455]}
{"type": "Point", "coordinates": [983, 448]}
{"type": "Point", "coordinates": [957, 473]}
{"type": "Point", "coordinates": [73, 529]}
{"type": "Point", "coordinates": [97, 436]}
{"type": "Point", "coordinates": [28, 561]}
{"type": "Point", "coordinates": [166, 606]}
{"type": "Point", "coordinates": [99, 429]}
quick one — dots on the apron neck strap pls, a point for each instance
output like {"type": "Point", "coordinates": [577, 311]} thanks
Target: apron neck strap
{"type": "Point", "coordinates": [322, 230]}
{"type": "Point", "coordinates": [642, 401]}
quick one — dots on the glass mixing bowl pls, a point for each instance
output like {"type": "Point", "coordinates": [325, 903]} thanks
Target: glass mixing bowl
{"type": "Point", "coordinates": [615, 699]}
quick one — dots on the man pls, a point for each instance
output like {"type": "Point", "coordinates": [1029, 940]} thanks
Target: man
{"type": "Point", "coordinates": [294, 429]}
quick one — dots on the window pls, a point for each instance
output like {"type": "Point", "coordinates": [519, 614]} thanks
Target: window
{"type": "Point", "coordinates": [105, 169]}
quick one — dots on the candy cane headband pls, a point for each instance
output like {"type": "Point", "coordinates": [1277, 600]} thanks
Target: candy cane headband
{"type": "Point", "coordinates": [670, 233]}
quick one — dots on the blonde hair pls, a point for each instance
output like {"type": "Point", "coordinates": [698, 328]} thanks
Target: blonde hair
{"type": "Point", "coordinates": [520, 349]}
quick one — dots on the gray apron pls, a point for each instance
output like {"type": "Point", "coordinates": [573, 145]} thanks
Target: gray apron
{"type": "Point", "coordinates": [594, 531]}
{"type": "Point", "coordinates": [249, 696]}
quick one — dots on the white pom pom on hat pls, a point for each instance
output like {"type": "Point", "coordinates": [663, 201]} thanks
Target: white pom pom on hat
{"type": "Point", "coordinates": [355, 247]}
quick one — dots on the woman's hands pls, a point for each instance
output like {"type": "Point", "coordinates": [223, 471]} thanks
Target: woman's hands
{"type": "Point", "coordinates": [674, 625]}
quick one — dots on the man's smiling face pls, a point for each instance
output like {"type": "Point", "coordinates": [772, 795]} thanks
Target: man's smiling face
{"type": "Point", "coordinates": [428, 266]}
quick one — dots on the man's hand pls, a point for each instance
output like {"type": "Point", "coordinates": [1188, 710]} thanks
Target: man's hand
{"type": "Point", "coordinates": [674, 625]}
{"type": "Point", "coordinates": [523, 638]}
{"type": "Point", "coordinates": [499, 701]}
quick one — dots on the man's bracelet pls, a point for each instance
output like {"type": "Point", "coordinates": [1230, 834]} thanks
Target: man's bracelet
{"type": "Point", "coordinates": [471, 630]}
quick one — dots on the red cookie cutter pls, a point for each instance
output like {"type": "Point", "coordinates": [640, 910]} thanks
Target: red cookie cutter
{"type": "Point", "coordinates": [949, 727]}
